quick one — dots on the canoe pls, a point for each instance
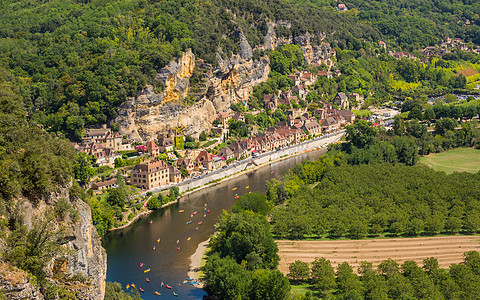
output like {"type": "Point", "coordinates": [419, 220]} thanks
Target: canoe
{"type": "Point", "coordinates": [178, 249]}
{"type": "Point", "coordinates": [157, 293]}
{"type": "Point", "coordinates": [234, 189]}
{"type": "Point", "coordinates": [158, 241]}
{"type": "Point", "coordinates": [247, 186]}
{"type": "Point", "coordinates": [205, 208]}
{"type": "Point", "coordinates": [205, 204]}
{"type": "Point", "coordinates": [178, 241]}
{"type": "Point", "coordinates": [194, 213]}
{"type": "Point", "coordinates": [205, 216]}
{"type": "Point", "coordinates": [181, 210]}
{"type": "Point", "coordinates": [208, 210]}
{"type": "Point", "coordinates": [196, 228]}
{"type": "Point", "coordinates": [199, 223]}
{"type": "Point", "coordinates": [175, 294]}
{"type": "Point", "coordinates": [127, 287]}
{"type": "Point", "coordinates": [153, 247]}
{"type": "Point", "coordinates": [150, 222]}
{"type": "Point", "coordinates": [147, 280]}
{"type": "Point", "coordinates": [146, 271]}
{"type": "Point", "coordinates": [237, 197]}
{"type": "Point", "coordinates": [188, 238]}
{"type": "Point", "coordinates": [133, 285]}
{"type": "Point", "coordinates": [141, 290]}
{"type": "Point", "coordinates": [141, 265]}
{"type": "Point", "coordinates": [191, 216]}
{"type": "Point", "coordinates": [168, 287]}
{"type": "Point", "coordinates": [189, 222]}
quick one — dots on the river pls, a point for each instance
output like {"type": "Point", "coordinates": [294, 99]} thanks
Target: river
{"type": "Point", "coordinates": [129, 247]}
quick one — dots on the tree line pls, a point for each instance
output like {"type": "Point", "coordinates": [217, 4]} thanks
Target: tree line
{"type": "Point", "coordinates": [390, 280]}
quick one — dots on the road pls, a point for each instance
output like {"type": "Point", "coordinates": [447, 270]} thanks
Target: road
{"type": "Point", "coordinates": [241, 165]}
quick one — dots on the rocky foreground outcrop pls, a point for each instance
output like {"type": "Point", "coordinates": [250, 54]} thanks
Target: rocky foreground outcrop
{"type": "Point", "coordinates": [80, 268]}
{"type": "Point", "coordinates": [149, 114]}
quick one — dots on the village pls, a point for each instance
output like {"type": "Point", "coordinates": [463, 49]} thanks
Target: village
{"type": "Point", "coordinates": [166, 161]}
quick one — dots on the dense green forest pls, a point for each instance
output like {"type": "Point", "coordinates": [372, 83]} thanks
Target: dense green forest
{"type": "Point", "coordinates": [77, 61]}
{"type": "Point", "coordinates": [389, 280]}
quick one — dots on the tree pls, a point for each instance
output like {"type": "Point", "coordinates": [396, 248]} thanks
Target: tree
{"type": "Point", "coordinates": [254, 202]}
{"type": "Point", "coordinates": [203, 136]}
{"type": "Point", "coordinates": [445, 124]}
{"type": "Point", "coordinates": [82, 168]}
{"type": "Point", "coordinates": [415, 113]}
{"type": "Point", "coordinates": [406, 149]}
{"type": "Point", "coordinates": [269, 285]}
{"type": "Point", "coordinates": [154, 203]}
{"type": "Point", "coordinates": [360, 134]}
{"type": "Point", "coordinates": [322, 274]}
{"type": "Point", "coordinates": [429, 114]}
{"type": "Point", "coordinates": [298, 270]}
{"type": "Point", "coordinates": [388, 268]}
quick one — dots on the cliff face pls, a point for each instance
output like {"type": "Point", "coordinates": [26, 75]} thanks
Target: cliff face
{"type": "Point", "coordinates": [149, 113]}
{"type": "Point", "coordinates": [83, 255]}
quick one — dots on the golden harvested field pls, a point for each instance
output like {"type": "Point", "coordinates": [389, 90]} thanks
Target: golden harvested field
{"type": "Point", "coordinates": [447, 249]}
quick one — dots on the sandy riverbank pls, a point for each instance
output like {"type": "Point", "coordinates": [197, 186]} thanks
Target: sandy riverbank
{"type": "Point", "coordinates": [196, 262]}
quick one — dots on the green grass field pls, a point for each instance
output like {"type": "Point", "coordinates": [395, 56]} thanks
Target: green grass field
{"type": "Point", "coordinates": [457, 160]}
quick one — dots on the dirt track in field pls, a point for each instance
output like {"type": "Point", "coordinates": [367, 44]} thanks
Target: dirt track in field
{"type": "Point", "coordinates": [447, 249]}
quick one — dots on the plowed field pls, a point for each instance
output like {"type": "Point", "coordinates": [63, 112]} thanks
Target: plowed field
{"type": "Point", "coordinates": [447, 249]}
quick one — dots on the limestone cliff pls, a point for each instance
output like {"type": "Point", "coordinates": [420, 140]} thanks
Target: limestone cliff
{"type": "Point", "coordinates": [149, 114]}
{"type": "Point", "coordinates": [80, 269]}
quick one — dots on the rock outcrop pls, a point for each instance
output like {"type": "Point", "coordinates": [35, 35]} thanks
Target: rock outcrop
{"type": "Point", "coordinates": [149, 114]}
{"type": "Point", "coordinates": [82, 266]}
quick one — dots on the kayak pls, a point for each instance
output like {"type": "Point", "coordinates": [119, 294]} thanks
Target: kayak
{"type": "Point", "coordinates": [194, 213]}
{"type": "Point", "coordinates": [199, 223]}
{"type": "Point", "coordinates": [168, 287]}
{"type": "Point", "coordinates": [158, 241]}
{"type": "Point", "coordinates": [147, 280]}
{"type": "Point", "coordinates": [151, 222]}
{"type": "Point", "coordinates": [188, 238]}
{"type": "Point", "coordinates": [153, 247]}
{"type": "Point", "coordinates": [157, 293]}
{"type": "Point", "coordinates": [237, 197]}
{"type": "Point", "coordinates": [205, 216]}
{"type": "Point", "coordinates": [247, 186]}
{"type": "Point", "coordinates": [141, 290]}
{"type": "Point", "coordinates": [180, 211]}
{"type": "Point", "coordinates": [186, 199]}
{"type": "Point", "coordinates": [178, 241]}
{"type": "Point", "coordinates": [133, 285]}
{"type": "Point", "coordinates": [191, 216]}
{"type": "Point", "coordinates": [196, 228]}
{"type": "Point", "coordinates": [205, 208]}
{"type": "Point", "coordinates": [208, 210]}
{"type": "Point", "coordinates": [141, 265]}
{"type": "Point", "coordinates": [127, 287]}
{"type": "Point", "coordinates": [205, 204]}
{"type": "Point", "coordinates": [189, 222]}
{"type": "Point", "coordinates": [234, 189]}
{"type": "Point", "coordinates": [146, 271]}
{"type": "Point", "coordinates": [175, 294]}
{"type": "Point", "coordinates": [178, 249]}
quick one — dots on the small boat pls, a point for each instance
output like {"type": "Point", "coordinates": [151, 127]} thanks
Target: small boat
{"type": "Point", "coordinates": [208, 210]}
{"type": "Point", "coordinates": [141, 265]}
{"type": "Point", "coordinates": [153, 247]}
{"type": "Point", "coordinates": [178, 241]}
{"type": "Point", "coordinates": [272, 172]}
{"type": "Point", "coordinates": [247, 186]}
{"type": "Point", "coordinates": [234, 189]}
{"type": "Point", "coordinates": [146, 271]}
{"type": "Point", "coordinates": [158, 241]}
{"type": "Point", "coordinates": [147, 280]}
{"type": "Point", "coordinates": [162, 284]}
{"type": "Point", "coordinates": [157, 293]}
{"type": "Point", "coordinates": [188, 238]}
{"type": "Point", "coordinates": [194, 213]}
{"type": "Point", "coordinates": [141, 290]}
{"type": "Point", "coordinates": [200, 223]}
{"type": "Point", "coordinates": [133, 285]}
{"type": "Point", "coordinates": [175, 294]}
{"type": "Point", "coordinates": [205, 208]}
{"type": "Point", "coordinates": [127, 287]}
{"type": "Point", "coordinates": [191, 216]}
{"type": "Point", "coordinates": [196, 229]}
{"type": "Point", "coordinates": [150, 222]}
{"type": "Point", "coordinates": [168, 287]}
{"type": "Point", "coordinates": [205, 205]}
{"type": "Point", "coordinates": [237, 197]}
{"type": "Point", "coordinates": [189, 222]}
{"type": "Point", "coordinates": [178, 249]}
{"type": "Point", "coordinates": [180, 211]}
{"type": "Point", "coordinates": [205, 215]}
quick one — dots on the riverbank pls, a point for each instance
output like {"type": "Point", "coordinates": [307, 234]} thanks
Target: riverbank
{"type": "Point", "coordinates": [196, 261]}
{"type": "Point", "coordinates": [308, 147]}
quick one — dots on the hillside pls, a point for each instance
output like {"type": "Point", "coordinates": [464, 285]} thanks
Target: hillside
{"type": "Point", "coordinates": [48, 245]}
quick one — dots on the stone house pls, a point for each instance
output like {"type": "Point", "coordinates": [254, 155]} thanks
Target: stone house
{"type": "Point", "coordinates": [186, 163]}
{"type": "Point", "coordinates": [100, 186]}
{"type": "Point", "coordinates": [150, 175]}
{"type": "Point", "coordinates": [226, 152]}
{"type": "Point", "coordinates": [330, 124]}
{"type": "Point", "coordinates": [312, 128]}
{"type": "Point", "coordinates": [165, 144]}
{"type": "Point", "coordinates": [341, 100]}
{"type": "Point", "coordinates": [152, 149]}
{"type": "Point", "coordinates": [204, 160]}
{"type": "Point", "coordinates": [347, 115]}
{"type": "Point", "coordinates": [174, 174]}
